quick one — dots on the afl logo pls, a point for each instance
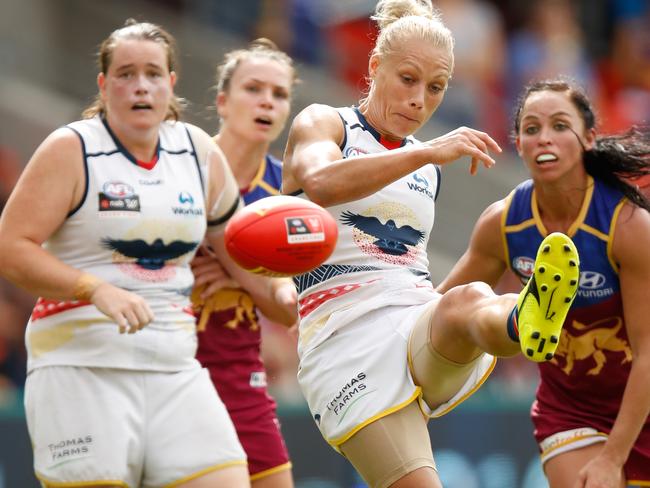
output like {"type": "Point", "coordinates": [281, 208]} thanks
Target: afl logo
{"type": "Point", "coordinates": [352, 152]}
{"type": "Point", "coordinates": [117, 189]}
{"type": "Point", "coordinates": [590, 280]}
{"type": "Point", "coordinates": [524, 266]}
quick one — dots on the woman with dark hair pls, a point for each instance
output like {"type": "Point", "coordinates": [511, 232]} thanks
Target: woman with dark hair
{"type": "Point", "coordinates": [592, 405]}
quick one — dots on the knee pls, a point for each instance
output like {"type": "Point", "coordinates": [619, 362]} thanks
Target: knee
{"type": "Point", "coordinates": [461, 302]}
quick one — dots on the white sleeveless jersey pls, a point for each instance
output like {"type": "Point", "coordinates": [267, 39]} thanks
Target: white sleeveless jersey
{"type": "Point", "coordinates": [382, 237]}
{"type": "Point", "coordinates": [138, 229]}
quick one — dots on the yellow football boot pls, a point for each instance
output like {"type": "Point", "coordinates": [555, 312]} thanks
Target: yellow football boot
{"type": "Point", "coordinates": [545, 300]}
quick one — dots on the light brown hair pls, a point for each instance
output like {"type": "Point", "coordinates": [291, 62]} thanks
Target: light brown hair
{"type": "Point", "coordinates": [142, 31]}
{"type": "Point", "coordinates": [259, 48]}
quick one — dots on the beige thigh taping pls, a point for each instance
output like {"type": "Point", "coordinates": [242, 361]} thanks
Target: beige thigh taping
{"type": "Point", "coordinates": [391, 447]}
{"type": "Point", "coordinates": [439, 377]}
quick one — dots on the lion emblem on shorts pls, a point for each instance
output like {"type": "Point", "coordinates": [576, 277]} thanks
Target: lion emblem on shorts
{"type": "Point", "coordinates": [592, 344]}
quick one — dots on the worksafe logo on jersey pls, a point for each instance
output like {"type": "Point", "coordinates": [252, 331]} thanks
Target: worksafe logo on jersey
{"type": "Point", "coordinates": [353, 152]}
{"type": "Point", "coordinates": [117, 196]}
{"type": "Point", "coordinates": [185, 197]}
{"type": "Point", "coordinates": [592, 285]}
{"type": "Point", "coordinates": [304, 229]}
{"type": "Point", "coordinates": [421, 185]}
{"type": "Point", "coordinates": [186, 207]}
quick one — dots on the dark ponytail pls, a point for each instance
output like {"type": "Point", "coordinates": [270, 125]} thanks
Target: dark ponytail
{"type": "Point", "coordinates": [617, 159]}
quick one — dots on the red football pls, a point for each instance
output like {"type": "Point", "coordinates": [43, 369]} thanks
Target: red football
{"type": "Point", "coordinates": [281, 236]}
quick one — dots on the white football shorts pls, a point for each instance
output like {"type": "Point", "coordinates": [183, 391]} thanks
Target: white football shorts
{"type": "Point", "coordinates": [361, 373]}
{"type": "Point", "coordinates": [128, 428]}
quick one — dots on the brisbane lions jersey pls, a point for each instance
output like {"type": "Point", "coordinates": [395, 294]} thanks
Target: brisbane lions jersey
{"type": "Point", "coordinates": [582, 386]}
{"type": "Point", "coordinates": [229, 329]}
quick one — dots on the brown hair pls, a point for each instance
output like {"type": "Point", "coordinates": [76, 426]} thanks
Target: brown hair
{"type": "Point", "coordinates": [261, 47]}
{"type": "Point", "coordinates": [142, 31]}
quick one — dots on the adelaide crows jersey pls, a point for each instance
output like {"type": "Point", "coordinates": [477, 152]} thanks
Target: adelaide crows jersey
{"type": "Point", "coordinates": [137, 227]}
{"type": "Point", "coordinates": [381, 238]}
{"type": "Point", "coordinates": [387, 230]}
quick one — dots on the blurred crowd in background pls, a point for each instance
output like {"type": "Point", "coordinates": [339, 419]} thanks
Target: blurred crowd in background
{"type": "Point", "coordinates": [500, 46]}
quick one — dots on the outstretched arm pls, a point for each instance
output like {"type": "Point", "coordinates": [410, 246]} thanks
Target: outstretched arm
{"type": "Point", "coordinates": [313, 161]}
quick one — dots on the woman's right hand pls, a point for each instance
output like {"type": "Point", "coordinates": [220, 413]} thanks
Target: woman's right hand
{"type": "Point", "coordinates": [464, 141]}
{"type": "Point", "coordinates": [130, 311]}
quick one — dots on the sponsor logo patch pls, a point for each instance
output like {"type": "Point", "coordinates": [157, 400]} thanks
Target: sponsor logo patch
{"type": "Point", "coordinates": [186, 207]}
{"type": "Point", "coordinates": [352, 390]}
{"type": "Point", "coordinates": [593, 285]}
{"type": "Point", "coordinates": [258, 379]}
{"type": "Point", "coordinates": [117, 196]}
{"type": "Point", "coordinates": [420, 185]}
{"type": "Point", "coordinates": [524, 266]}
{"type": "Point", "coordinates": [155, 182]}
{"type": "Point", "coordinates": [70, 450]}
{"type": "Point", "coordinates": [591, 280]}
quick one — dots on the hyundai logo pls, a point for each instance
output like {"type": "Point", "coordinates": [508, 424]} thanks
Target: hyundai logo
{"type": "Point", "coordinates": [590, 280]}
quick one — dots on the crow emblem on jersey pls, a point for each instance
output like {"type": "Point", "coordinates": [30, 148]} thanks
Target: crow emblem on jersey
{"type": "Point", "coordinates": [149, 256]}
{"type": "Point", "coordinates": [390, 238]}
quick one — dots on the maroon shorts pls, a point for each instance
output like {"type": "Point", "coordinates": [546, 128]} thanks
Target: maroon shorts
{"type": "Point", "coordinates": [232, 356]}
{"type": "Point", "coordinates": [549, 422]}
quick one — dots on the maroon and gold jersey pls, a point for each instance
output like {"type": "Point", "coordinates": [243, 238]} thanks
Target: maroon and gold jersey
{"type": "Point", "coordinates": [583, 385]}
